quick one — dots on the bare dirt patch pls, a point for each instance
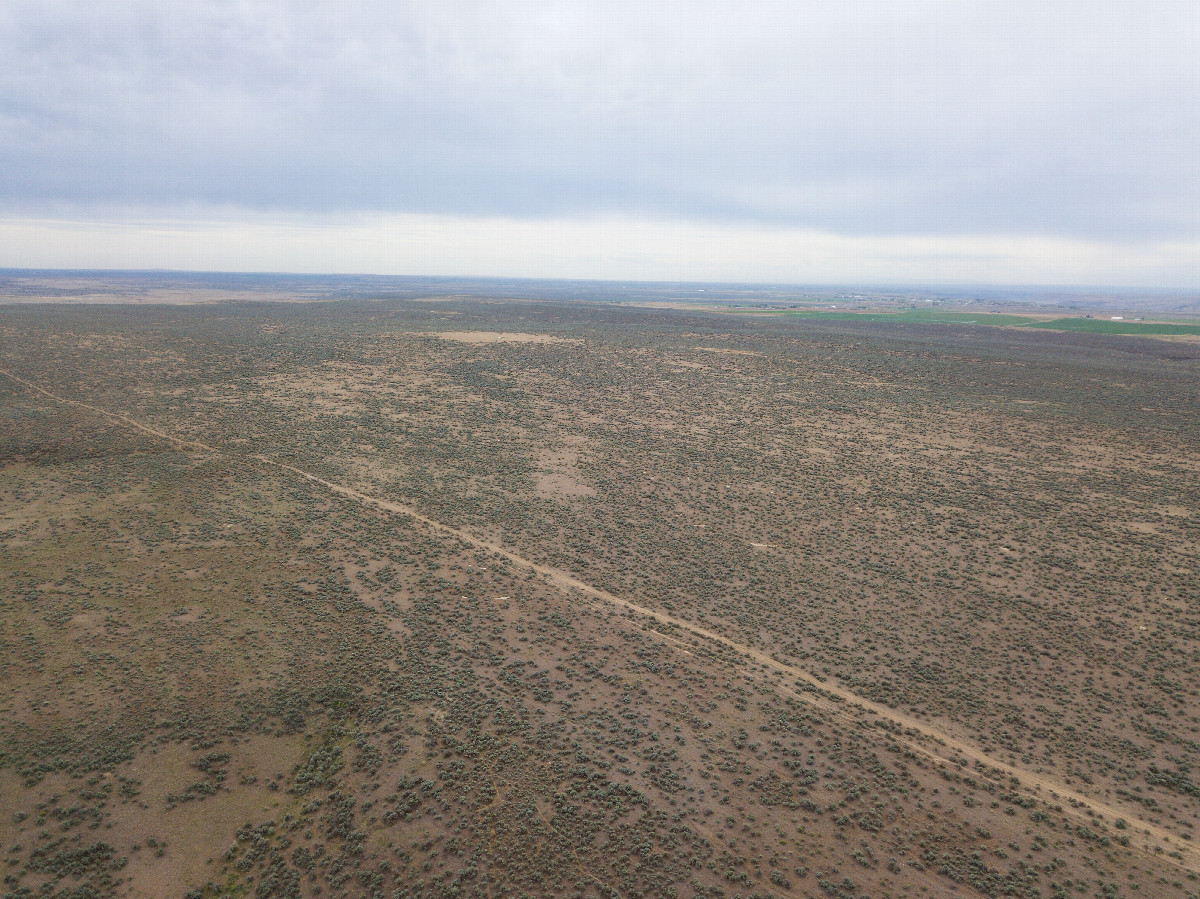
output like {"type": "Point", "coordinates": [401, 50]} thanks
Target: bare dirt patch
{"type": "Point", "coordinates": [501, 337]}
{"type": "Point", "coordinates": [727, 351]}
{"type": "Point", "coordinates": [194, 835]}
{"type": "Point", "coordinates": [558, 473]}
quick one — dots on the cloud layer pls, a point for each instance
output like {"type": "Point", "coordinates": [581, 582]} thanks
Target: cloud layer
{"type": "Point", "coordinates": [1065, 121]}
{"type": "Point", "coordinates": [605, 248]}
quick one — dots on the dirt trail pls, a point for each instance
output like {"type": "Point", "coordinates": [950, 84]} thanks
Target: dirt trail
{"type": "Point", "coordinates": [838, 700]}
{"type": "Point", "coordinates": [133, 423]}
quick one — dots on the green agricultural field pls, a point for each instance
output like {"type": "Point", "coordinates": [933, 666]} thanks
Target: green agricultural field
{"type": "Point", "coordinates": [1105, 326]}
{"type": "Point", "coordinates": [996, 319]}
{"type": "Point", "coordinates": [918, 316]}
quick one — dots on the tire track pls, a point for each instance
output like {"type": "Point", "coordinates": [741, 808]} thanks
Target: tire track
{"type": "Point", "coordinates": [832, 698]}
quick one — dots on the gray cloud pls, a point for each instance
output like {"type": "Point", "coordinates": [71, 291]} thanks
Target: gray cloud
{"type": "Point", "coordinates": [1073, 119]}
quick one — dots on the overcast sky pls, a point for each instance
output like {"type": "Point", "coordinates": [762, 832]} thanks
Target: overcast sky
{"type": "Point", "coordinates": [1050, 142]}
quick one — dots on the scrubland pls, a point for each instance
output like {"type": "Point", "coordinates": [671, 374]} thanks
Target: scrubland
{"type": "Point", "coordinates": [471, 598]}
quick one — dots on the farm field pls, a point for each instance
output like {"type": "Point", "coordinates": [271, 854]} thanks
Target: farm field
{"type": "Point", "coordinates": [1105, 326]}
{"type": "Point", "coordinates": [924, 316]}
{"type": "Point", "coordinates": [483, 598]}
{"type": "Point", "coordinates": [999, 320]}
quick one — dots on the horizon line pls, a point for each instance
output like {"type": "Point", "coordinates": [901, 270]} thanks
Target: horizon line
{"type": "Point", "coordinates": [551, 279]}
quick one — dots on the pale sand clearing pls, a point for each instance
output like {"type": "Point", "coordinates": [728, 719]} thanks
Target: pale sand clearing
{"type": "Point", "coordinates": [501, 337]}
